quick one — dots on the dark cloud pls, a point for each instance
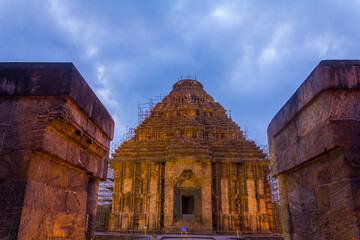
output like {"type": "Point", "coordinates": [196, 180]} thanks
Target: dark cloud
{"type": "Point", "coordinates": [250, 55]}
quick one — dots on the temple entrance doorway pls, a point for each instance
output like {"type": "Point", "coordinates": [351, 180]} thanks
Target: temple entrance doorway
{"type": "Point", "coordinates": [187, 205]}
{"type": "Point", "coordinates": [187, 198]}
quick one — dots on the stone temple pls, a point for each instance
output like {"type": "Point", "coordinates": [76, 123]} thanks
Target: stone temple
{"type": "Point", "coordinates": [189, 164]}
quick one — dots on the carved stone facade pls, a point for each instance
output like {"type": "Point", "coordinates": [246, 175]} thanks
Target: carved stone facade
{"type": "Point", "coordinates": [189, 165]}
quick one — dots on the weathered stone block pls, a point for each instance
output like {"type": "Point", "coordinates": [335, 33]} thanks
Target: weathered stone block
{"type": "Point", "coordinates": [344, 225]}
{"type": "Point", "coordinates": [54, 143]}
{"type": "Point", "coordinates": [319, 225]}
{"type": "Point", "coordinates": [314, 149]}
{"type": "Point", "coordinates": [341, 196]}
{"type": "Point", "coordinates": [323, 198]}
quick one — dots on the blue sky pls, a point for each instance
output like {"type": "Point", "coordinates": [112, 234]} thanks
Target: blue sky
{"type": "Point", "coordinates": [250, 56]}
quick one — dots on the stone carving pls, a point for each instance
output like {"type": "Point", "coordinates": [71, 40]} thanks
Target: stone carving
{"type": "Point", "coordinates": [187, 179]}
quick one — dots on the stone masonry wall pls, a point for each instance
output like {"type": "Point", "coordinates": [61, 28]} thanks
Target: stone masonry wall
{"type": "Point", "coordinates": [54, 143]}
{"type": "Point", "coordinates": [137, 196]}
{"type": "Point", "coordinates": [314, 144]}
{"type": "Point", "coordinates": [241, 198]}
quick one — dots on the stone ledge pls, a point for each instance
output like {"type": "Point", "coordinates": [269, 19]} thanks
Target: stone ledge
{"type": "Point", "coordinates": [54, 79]}
{"type": "Point", "coordinates": [328, 75]}
{"type": "Point", "coordinates": [320, 116]}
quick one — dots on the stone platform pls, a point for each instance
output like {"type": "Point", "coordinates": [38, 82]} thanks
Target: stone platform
{"type": "Point", "coordinates": [112, 236]}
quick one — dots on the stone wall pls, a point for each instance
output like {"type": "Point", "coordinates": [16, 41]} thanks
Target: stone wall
{"type": "Point", "coordinates": [54, 144]}
{"type": "Point", "coordinates": [241, 198]}
{"type": "Point", "coordinates": [227, 196]}
{"type": "Point", "coordinates": [314, 144]}
{"type": "Point", "coordinates": [137, 196]}
{"type": "Point", "coordinates": [144, 195]}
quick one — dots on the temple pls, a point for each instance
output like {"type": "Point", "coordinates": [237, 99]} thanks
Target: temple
{"type": "Point", "coordinates": [189, 164]}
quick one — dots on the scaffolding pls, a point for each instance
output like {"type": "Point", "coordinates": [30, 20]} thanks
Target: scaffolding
{"type": "Point", "coordinates": [275, 198]}
{"type": "Point", "coordinates": [274, 190]}
{"type": "Point", "coordinates": [144, 109]}
{"type": "Point", "coordinates": [105, 201]}
{"type": "Point", "coordinates": [185, 77]}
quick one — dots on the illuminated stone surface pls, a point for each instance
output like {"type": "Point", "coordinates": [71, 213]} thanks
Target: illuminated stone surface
{"type": "Point", "coordinates": [54, 144]}
{"type": "Point", "coordinates": [314, 144]}
{"type": "Point", "coordinates": [189, 165]}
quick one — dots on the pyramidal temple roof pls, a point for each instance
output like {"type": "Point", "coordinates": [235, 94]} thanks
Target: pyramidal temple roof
{"type": "Point", "coordinates": [188, 123]}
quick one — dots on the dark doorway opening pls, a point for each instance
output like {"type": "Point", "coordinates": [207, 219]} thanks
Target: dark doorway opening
{"type": "Point", "coordinates": [187, 204]}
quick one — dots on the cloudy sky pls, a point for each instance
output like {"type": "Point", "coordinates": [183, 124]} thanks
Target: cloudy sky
{"type": "Point", "coordinates": [250, 55]}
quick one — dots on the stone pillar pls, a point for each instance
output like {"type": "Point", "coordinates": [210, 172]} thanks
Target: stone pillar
{"type": "Point", "coordinates": [154, 205]}
{"type": "Point", "coordinates": [91, 205]}
{"type": "Point", "coordinates": [224, 204]}
{"type": "Point", "coordinates": [314, 143]}
{"type": "Point", "coordinates": [206, 197]}
{"type": "Point", "coordinates": [252, 203]}
{"type": "Point", "coordinates": [169, 196]}
{"type": "Point", "coordinates": [54, 145]}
